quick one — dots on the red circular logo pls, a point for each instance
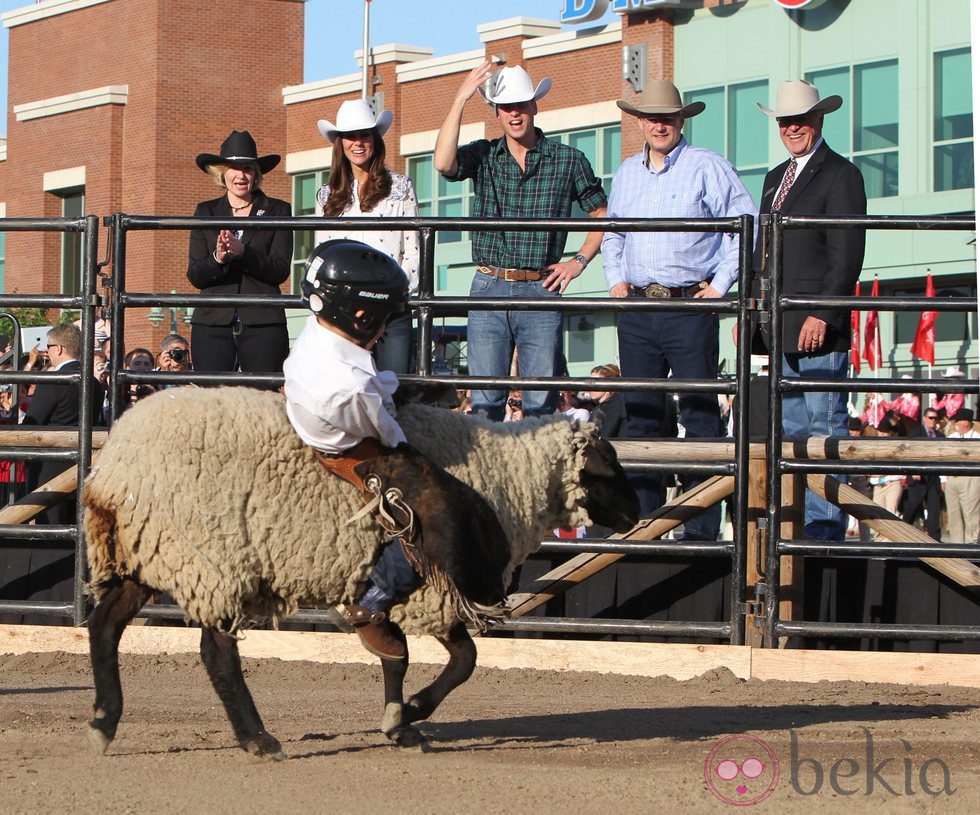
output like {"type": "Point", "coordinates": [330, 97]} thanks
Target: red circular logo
{"type": "Point", "coordinates": [792, 4]}
{"type": "Point", "coordinates": [741, 770]}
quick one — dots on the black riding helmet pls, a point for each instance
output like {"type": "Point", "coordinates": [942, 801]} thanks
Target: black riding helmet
{"type": "Point", "coordinates": [344, 277]}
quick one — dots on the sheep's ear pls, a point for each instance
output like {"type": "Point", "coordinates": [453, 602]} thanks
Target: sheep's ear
{"type": "Point", "coordinates": [596, 463]}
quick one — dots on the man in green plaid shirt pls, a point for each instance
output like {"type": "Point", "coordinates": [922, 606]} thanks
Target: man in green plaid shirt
{"type": "Point", "coordinates": [521, 175]}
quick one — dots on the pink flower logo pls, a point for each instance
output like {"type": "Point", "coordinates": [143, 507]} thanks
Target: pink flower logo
{"type": "Point", "coordinates": [741, 770]}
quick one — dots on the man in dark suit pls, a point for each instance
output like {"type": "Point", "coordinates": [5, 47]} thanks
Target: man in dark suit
{"type": "Point", "coordinates": [924, 493]}
{"type": "Point", "coordinates": [46, 573]}
{"type": "Point", "coordinates": [57, 404]}
{"type": "Point", "coordinates": [813, 181]}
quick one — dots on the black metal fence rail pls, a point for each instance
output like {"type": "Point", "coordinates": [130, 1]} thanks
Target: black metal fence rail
{"type": "Point", "coordinates": [428, 306]}
{"type": "Point", "coordinates": [776, 547]}
{"type": "Point", "coordinates": [85, 302]}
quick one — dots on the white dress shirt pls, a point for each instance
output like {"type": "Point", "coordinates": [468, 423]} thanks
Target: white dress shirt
{"type": "Point", "coordinates": [400, 203]}
{"type": "Point", "coordinates": [335, 396]}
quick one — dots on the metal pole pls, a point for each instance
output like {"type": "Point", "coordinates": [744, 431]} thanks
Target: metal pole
{"type": "Point", "coordinates": [85, 408]}
{"type": "Point", "coordinates": [774, 478]}
{"type": "Point", "coordinates": [117, 348]}
{"type": "Point", "coordinates": [364, 54]}
{"type": "Point", "coordinates": [740, 405]}
{"type": "Point", "coordinates": [427, 241]}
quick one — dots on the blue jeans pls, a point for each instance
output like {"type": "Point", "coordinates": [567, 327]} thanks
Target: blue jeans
{"type": "Point", "coordinates": [396, 349]}
{"type": "Point", "coordinates": [651, 345]}
{"type": "Point", "coordinates": [817, 414]}
{"type": "Point", "coordinates": [491, 337]}
{"type": "Point", "coordinates": [391, 579]}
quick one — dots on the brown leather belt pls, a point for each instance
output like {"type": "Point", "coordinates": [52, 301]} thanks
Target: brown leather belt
{"type": "Point", "coordinates": [514, 275]}
{"type": "Point", "coordinates": [656, 290]}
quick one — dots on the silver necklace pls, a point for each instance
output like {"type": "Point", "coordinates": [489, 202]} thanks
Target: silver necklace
{"type": "Point", "coordinates": [239, 209]}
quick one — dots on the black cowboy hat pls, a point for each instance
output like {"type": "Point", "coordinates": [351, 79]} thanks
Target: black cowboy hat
{"type": "Point", "coordinates": [238, 148]}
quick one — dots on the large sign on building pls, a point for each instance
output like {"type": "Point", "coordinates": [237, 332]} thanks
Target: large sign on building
{"type": "Point", "coordinates": [585, 11]}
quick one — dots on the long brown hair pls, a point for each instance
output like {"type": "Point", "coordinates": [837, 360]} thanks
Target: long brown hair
{"type": "Point", "coordinates": [376, 188]}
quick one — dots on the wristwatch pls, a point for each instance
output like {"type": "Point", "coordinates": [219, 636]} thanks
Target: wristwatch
{"type": "Point", "coordinates": [582, 260]}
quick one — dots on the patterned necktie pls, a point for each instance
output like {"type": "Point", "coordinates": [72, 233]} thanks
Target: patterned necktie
{"type": "Point", "coordinates": [788, 179]}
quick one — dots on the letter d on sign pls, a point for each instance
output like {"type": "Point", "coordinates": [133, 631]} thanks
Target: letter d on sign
{"type": "Point", "coordinates": [795, 763]}
{"type": "Point", "coordinates": [583, 11]}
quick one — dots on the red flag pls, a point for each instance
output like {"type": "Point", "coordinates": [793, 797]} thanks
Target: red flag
{"type": "Point", "coordinates": [872, 340]}
{"type": "Point", "coordinates": [924, 344]}
{"type": "Point", "coordinates": [856, 333]}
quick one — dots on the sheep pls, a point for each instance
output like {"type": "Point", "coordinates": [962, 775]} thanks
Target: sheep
{"type": "Point", "coordinates": [229, 512]}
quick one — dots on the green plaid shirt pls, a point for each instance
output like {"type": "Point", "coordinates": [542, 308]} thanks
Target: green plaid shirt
{"type": "Point", "coordinates": [555, 176]}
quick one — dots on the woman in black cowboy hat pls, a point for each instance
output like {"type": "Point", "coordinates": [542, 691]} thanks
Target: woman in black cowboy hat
{"type": "Point", "coordinates": [242, 261]}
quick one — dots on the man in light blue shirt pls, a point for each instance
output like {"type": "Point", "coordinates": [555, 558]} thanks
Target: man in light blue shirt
{"type": "Point", "coordinates": [670, 179]}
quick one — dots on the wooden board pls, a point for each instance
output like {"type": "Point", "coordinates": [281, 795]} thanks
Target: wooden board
{"type": "Point", "coordinates": [680, 661]}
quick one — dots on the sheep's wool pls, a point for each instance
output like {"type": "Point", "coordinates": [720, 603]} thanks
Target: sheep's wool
{"type": "Point", "coordinates": [208, 494]}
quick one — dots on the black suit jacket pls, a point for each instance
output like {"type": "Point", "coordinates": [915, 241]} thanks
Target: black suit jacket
{"type": "Point", "coordinates": [260, 270]}
{"type": "Point", "coordinates": [817, 261]}
{"type": "Point", "coordinates": [56, 403]}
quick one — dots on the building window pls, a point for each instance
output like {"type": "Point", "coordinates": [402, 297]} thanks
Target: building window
{"type": "Point", "coordinates": [439, 198]}
{"type": "Point", "coordinates": [731, 125]}
{"type": "Point", "coordinates": [867, 130]}
{"type": "Point", "coordinates": [952, 120]}
{"type": "Point", "coordinates": [580, 334]}
{"type": "Point", "coordinates": [72, 243]}
{"type": "Point", "coordinates": [305, 188]}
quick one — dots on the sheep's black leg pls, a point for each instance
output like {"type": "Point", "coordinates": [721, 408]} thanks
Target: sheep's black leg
{"type": "Point", "coordinates": [105, 628]}
{"type": "Point", "coordinates": [219, 653]}
{"type": "Point", "coordinates": [394, 724]}
{"type": "Point", "coordinates": [462, 661]}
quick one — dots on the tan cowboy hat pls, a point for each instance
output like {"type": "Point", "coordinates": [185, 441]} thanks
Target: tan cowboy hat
{"type": "Point", "coordinates": [354, 115]}
{"type": "Point", "coordinates": [954, 373]}
{"type": "Point", "coordinates": [513, 85]}
{"type": "Point", "coordinates": [796, 97]}
{"type": "Point", "coordinates": [660, 97]}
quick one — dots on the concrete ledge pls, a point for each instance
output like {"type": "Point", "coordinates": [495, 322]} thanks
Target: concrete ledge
{"type": "Point", "coordinates": [628, 658]}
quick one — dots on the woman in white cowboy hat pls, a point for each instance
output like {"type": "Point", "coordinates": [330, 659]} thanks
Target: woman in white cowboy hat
{"type": "Point", "coordinates": [360, 186]}
{"type": "Point", "coordinates": [241, 261]}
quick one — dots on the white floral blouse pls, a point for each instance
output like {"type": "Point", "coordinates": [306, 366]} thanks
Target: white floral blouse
{"type": "Point", "coordinates": [400, 203]}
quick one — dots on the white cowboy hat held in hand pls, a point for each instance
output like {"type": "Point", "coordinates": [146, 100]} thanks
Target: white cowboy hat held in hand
{"type": "Point", "coordinates": [796, 97]}
{"type": "Point", "coordinates": [355, 115]}
{"type": "Point", "coordinates": [660, 98]}
{"type": "Point", "coordinates": [513, 85]}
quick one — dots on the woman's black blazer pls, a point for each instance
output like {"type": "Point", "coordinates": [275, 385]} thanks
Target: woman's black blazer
{"type": "Point", "coordinates": [260, 270]}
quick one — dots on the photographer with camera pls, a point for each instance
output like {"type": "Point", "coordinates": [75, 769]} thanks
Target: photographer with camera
{"type": "Point", "coordinates": [174, 357]}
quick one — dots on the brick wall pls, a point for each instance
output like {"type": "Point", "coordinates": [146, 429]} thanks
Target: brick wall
{"type": "Point", "coordinates": [191, 81]}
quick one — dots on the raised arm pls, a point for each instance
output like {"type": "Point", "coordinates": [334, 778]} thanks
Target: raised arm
{"type": "Point", "coordinates": [448, 139]}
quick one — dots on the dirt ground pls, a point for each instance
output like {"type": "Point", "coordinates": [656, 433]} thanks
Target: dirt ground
{"type": "Point", "coordinates": [514, 740]}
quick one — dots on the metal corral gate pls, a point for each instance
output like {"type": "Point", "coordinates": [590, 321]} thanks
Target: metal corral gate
{"type": "Point", "coordinates": [681, 459]}
{"type": "Point", "coordinates": [816, 471]}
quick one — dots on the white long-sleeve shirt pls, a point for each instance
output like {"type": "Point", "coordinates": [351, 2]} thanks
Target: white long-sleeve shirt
{"type": "Point", "coordinates": [335, 396]}
{"type": "Point", "coordinates": [401, 202]}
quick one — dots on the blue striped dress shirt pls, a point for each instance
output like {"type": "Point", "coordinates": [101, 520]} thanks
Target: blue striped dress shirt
{"type": "Point", "coordinates": [694, 183]}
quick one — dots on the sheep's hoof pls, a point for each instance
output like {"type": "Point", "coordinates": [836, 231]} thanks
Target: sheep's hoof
{"type": "Point", "coordinates": [392, 719]}
{"type": "Point", "coordinates": [100, 741]}
{"type": "Point", "coordinates": [265, 746]}
{"type": "Point", "coordinates": [409, 737]}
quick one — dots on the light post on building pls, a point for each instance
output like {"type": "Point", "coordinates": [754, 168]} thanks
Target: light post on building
{"type": "Point", "coordinates": [157, 313]}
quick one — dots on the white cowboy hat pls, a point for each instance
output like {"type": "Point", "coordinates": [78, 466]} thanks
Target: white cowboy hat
{"type": "Point", "coordinates": [796, 97]}
{"type": "Point", "coordinates": [954, 373]}
{"type": "Point", "coordinates": [354, 115]}
{"type": "Point", "coordinates": [660, 97]}
{"type": "Point", "coordinates": [512, 85]}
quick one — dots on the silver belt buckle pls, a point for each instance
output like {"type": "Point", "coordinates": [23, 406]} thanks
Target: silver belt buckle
{"type": "Point", "coordinates": [656, 290]}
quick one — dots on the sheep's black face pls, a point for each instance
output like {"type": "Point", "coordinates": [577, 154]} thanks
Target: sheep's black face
{"type": "Point", "coordinates": [609, 498]}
